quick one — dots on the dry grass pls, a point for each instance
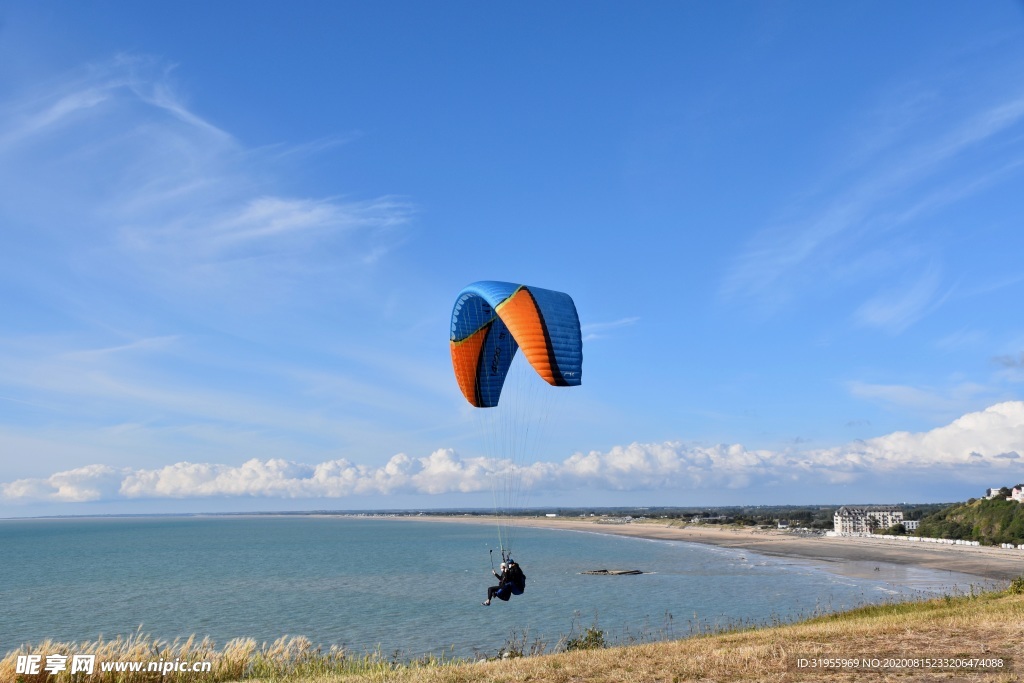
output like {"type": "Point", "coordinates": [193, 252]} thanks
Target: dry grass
{"type": "Point", "coordinates": [985, 625]}
{"type": "Point", "coordinates": [239, 659]}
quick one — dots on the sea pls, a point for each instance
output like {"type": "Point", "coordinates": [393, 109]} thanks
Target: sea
{"type": "Point", "coordinates": [401, 588]}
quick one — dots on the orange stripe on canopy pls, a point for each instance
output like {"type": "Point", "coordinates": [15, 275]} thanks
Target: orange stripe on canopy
{"type": "Point", "coordinates": [466, 361]}
{"type": "Point", "coordinates": [519, 312]}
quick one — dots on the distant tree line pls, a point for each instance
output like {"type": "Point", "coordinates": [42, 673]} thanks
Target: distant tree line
{"type": "Point", "coordinates": [807, 516]}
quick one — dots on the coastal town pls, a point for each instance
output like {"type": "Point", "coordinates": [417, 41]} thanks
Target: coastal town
{"type": "Point", "coordinates": [887, 521]}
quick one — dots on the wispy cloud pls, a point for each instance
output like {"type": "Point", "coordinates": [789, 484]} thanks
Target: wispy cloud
{"type": "Point", "coordinates": [593, 331]}
{"type": "Point", "coordinates": [978, 446]}
{"type": "Point", "coordinates": [115, 153]}
{"type": "Point", "coordinates": [139, 345]}
{"type": "Point", "coordinates": [908, 175]}
{"type": "Point", "coordinates": [961, 339]}
{"type": "Point", "coordinates": [924, 400]}
{"type": "Point", "coordinates": [153, 382]}
{"type": "Point", "coordinates": [903, 304]}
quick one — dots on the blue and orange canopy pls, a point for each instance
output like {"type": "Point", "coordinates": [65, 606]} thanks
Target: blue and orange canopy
{"type": "Point", "coordinates": [492, 320]}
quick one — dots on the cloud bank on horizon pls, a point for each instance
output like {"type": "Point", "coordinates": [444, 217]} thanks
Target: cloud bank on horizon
{"type": "Point", "coordinates": [981, 447]}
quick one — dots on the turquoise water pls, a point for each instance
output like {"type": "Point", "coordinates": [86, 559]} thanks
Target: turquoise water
{"type": "Point", "coordinates": [402, 586]}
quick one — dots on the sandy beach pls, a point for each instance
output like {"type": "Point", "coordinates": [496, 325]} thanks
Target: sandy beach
{"type": "Point", "coordinates": [849, 556]}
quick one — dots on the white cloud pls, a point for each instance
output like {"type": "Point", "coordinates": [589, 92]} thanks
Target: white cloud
{"type": "Point", "coordinates": [974, 447]}
{"type": "Point", "coordinates": [80, 485]}
{"type": "Point", "coordinates": [977, 439]}
{"type": "Point", "coordinates": [440, 472]}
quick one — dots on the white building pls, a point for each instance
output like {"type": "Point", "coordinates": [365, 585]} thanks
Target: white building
{"type": "Point", "coordinates": [850, 520]}
{"type": "Point", "coordinates": [911, 524]}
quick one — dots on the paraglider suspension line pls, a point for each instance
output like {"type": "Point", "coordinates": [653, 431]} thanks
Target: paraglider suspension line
{"type": "Point", "coordinates": [505, 555]}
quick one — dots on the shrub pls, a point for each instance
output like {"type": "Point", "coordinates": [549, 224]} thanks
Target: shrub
{"type": "Point", "coordinates": [591, 639]}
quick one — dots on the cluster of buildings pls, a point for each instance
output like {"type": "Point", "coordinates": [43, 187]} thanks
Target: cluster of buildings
{"type": "Point", "coordinates": [852, 520]}
{"type": "Point", "coordinates": [1016, 493]}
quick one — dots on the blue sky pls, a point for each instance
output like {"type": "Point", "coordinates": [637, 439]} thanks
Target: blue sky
{"type": "Point", "coordinates": [231, 236]}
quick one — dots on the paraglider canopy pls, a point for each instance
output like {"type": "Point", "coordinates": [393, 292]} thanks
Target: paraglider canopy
{"type": "Point", "coordinates": [492, 320]}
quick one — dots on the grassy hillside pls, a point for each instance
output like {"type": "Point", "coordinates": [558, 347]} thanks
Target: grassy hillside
{"type": "Point", "coordinates": [989, 521]}
{"type": "Point", "coordinates": [986, 626]}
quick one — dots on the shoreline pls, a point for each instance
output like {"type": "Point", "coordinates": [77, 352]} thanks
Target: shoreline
{"type": "Point", "coordinates": [849, 556]}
